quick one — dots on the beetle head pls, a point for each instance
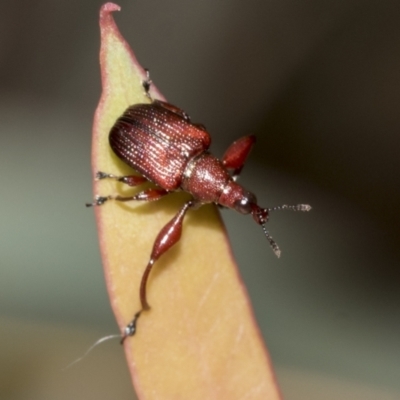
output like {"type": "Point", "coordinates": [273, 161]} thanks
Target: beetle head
{"type": "Point", "coordinates": [236, 197]}
{"type": "Point", "coordinates": [247, 204]}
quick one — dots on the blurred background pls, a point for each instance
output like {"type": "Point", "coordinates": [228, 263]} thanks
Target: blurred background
{"type": "Point", "coordinates": [318, 82]}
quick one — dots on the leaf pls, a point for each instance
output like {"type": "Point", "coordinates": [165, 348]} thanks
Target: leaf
{"type": "Point", "coordinates": [199, 340]}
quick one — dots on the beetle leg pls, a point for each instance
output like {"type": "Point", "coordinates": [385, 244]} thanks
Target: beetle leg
{"type": "Point", "coordinates": [131, 180]}
{"type": "Point", "coordinates": [151, 194]}
{"type": "Point", "coordinates": [167, 237]}
{"type": "Point", "coordinates": [237, 153]}
{"type": "Point", "coordinates": [147, 84]}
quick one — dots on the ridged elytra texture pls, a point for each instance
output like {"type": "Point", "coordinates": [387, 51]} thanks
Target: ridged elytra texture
{"type": "Point", "coordinates": [157, 142]}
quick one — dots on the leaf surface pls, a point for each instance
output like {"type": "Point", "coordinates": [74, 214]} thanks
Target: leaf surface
{"type": "Point", "coordinates": [200, 339]}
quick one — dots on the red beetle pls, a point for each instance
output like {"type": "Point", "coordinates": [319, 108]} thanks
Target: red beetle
{"type": "Point", "coordinates": [160, 141]}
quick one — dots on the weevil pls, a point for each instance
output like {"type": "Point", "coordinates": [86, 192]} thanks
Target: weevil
{"type": "Point", "coordinates": [160, 141]}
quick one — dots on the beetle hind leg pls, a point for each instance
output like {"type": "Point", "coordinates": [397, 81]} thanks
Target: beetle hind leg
{"type": "Point", "coordinates": [167, 237]}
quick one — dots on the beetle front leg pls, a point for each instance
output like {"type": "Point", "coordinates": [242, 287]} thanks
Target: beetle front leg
{"type": "Point", "coordinates": [237, 153]}
{"type": "Point", "coordinates": [168, 236]}
{"type": "Point", "coordinates": [151, 194]}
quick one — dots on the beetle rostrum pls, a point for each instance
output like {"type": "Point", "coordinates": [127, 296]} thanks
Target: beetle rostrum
{"type": "Point", "coordinates": [159, 141]}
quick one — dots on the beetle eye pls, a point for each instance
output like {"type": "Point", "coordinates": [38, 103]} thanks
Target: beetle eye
{"type": "Point", "coordinates": [244, 205]}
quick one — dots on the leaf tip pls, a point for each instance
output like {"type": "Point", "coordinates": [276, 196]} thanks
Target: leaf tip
{"type": "Point", "coordinates": [106, 10]}
{"type": "Point", "coordinates": [109, 7]}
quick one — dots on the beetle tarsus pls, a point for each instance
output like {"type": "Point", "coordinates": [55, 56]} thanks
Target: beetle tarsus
{"type": "Point", "coordinates": [102, 175]}
{"type": "Point", "coordinates": [98, 201]}
{"type": "Point", "coordinates": [147, 84]}
{"type": "Point", "coordinates": [130, 329]}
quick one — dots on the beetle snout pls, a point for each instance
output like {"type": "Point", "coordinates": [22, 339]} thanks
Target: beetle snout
{"type": "Point", "coordinates": [246, 203]}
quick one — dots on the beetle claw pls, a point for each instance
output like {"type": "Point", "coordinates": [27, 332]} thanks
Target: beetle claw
{"type": "Point", "coordinates": [130, 329]}
{"type": "Point", "coordinates": [101, 175]}
{"type": "Point", "coordinates": [147, 83]}
{"type": "Point", "coordinates": [98, 201]}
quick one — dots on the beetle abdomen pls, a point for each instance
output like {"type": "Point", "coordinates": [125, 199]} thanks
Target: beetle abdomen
{"type": "Point", "coordinates": [157, 142]}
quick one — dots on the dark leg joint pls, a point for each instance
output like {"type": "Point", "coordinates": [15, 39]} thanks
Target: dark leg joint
{"type": "Point", "coordinates": [147, 83]}
{"type": "Point", "coordinates": [101, 175]}
{"type": "Point", "coordinates": [130, 329]}
{"type": "Point", "coordinates": [98, 201]}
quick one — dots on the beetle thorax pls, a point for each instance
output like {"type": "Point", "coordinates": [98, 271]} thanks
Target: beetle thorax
{"type": "Point", "coordinates": [205, 178]}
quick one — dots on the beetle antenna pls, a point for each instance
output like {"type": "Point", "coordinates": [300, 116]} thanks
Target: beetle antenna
{"type": "Point", "coordinates": [298, 207]}
{"type": "Point", "coordinates": [273, 244]}
{"type": "Point", "coordinates": [271, 241]}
